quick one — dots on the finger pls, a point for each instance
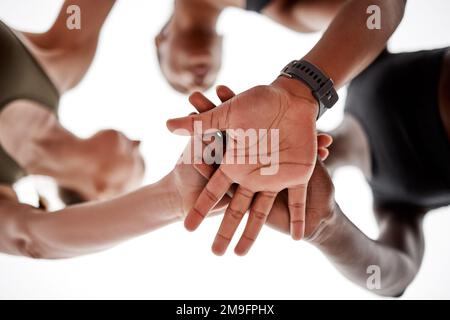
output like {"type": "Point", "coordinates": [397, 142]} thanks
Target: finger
{"type": "Point", "coordinates": [323, 153]}
{"type": "Point", "coordinates": [206, 170]}
{"type": "Point", "coordinates": [233, 216]}
{"type": "Point", "coordinates": [222, 204]}
{"type": "Point", "coordinates": [258, 215]}
{"type": "Point", "coordinates": [224, 93]}
{"type": "Point", "coordinates": [297, 207]}
{"type": "Point", "coordinates": [208, 198]}
{"type": "Point", "coordinates": [324, 140]}
{"type": "Point", "coordinates": [215, 119]}
{"type": "Point", "coordinates": [200, 102]}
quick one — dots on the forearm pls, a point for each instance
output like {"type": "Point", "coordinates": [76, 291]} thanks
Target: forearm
{"type": "Point", "coordinates": [349, 46]}
{"type": "Point", "coordinates": [92, 16]}
{"type": "Point", "coordinates": [94, 226]}
{"type": "Point", "coordinates": [357, 257]}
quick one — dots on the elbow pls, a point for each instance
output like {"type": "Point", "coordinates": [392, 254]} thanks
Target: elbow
{"type": "Point", "coordinates": [394, 292]}
{"type": "Point", "coordinates": [31, 247]}
{"type": "Point", "coordinates": [28, 244]}
{"type": "Point", "coordinates": [396, 286]}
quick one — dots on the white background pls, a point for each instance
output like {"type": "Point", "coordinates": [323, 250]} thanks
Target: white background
{"type": "Point", "coordinates": [124, 90]}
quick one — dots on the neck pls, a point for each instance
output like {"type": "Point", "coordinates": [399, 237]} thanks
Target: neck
{"type": "Point", "coordinates": [66, 158]}
{"type": "Point", "coordinates": [42, 147]}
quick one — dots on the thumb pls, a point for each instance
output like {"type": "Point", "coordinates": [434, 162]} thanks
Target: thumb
{"type": "Point", "coordinates": [324, 140]}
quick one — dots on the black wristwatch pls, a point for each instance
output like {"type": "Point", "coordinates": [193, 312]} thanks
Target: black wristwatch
{"type": "Point", "coordinates": [322, 86]}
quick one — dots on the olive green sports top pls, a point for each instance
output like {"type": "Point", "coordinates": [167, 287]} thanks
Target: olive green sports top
{"type": "Point", "coordinates": [21, 77]}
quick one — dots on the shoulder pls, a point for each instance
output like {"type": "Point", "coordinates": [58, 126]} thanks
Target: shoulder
{"type": "Point", "coordinates": [7, 193]}
{"type": "Point", "coordinates": [398, 212]}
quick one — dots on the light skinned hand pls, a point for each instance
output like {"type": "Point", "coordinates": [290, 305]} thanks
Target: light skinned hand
{"type": "Point", "coordinates": [189, 178]}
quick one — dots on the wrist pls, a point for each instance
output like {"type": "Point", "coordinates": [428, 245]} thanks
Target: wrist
{"type": "Point", "coordinates": [323, 229]}
{"type": "Point", "coordinates": [297, 91]}
{"type": "Point", "coordinates": [172, 197]}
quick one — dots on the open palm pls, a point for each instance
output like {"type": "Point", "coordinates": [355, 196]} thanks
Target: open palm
{"type": "Point", "coordinates": [292, 157]}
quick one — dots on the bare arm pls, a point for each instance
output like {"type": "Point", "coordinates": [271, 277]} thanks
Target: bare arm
{"type": "Point", "coordinates": [397, 252]}
{"type": "Point", "coordinates": [64, 53]}
{"type": "Point", "coordinates": [304, 15]}
{"type": "Point", "coordinates": [85, 229]}
{"type": "Point", "coordinates": [92, 17]}
{"type": "Point", "coordinates": [349, 46]}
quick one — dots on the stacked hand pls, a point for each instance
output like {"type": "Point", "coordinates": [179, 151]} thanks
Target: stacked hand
{"type": "Point", "coordinates": [189, 179]}
{"type": "Point", "coordinates": [268, 107]}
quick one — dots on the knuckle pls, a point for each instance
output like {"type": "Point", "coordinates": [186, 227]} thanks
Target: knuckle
{"type": "Point", "coordinates": [259, 215]}
{"type": "Point", "coordinates": [248, 238]}
{"type": "Point", "coordinates": [211, 195]}
{"type": "Point", "coordinates": [267, 194]}
{"type": "Point", "coordinates": [298, 205]}
{"type": "Point", "coordinates": [246, 193]}
{"type": "Point", "coordinates": [198, 212]}
{"type": "Point", "coordinates": [224, 237]}
{"type": "Point", "coordinates": [235, 214]}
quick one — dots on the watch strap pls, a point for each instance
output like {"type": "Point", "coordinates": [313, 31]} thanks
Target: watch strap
{"type": "Point", "coordinates": [322, 87]}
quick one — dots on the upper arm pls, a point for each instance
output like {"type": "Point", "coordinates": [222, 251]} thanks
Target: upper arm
{"type": "Point", "coordinates": [401, 227]}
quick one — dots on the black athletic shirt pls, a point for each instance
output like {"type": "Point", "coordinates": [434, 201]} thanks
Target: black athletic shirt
{"type": "Point", "coordinates": [396, 102]}
{"type": "Point", "coordinates": [21, 77]}
{"type": "Point", "coordinates": [257, 5]}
